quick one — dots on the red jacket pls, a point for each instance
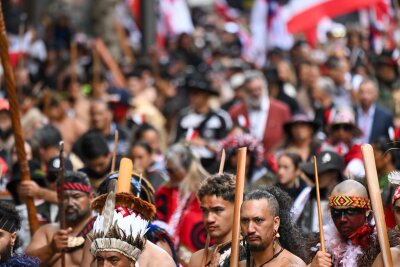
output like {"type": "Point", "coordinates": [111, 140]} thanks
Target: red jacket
{"type": "Point", "coordinates": [278, 115]}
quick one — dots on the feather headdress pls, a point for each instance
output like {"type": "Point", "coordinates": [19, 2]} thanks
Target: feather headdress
{"type": "Point", "coordinates": [122, 224]}
{"type": "Point", "coordinates": [394, 178]}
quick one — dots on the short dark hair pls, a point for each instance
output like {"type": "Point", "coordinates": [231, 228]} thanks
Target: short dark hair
{"type": "Point", "coordinates": [8, 211]}
{"type": "Point", "coordinates": [48, 136]}
{"type": "Point", "coordinates": [142, 129]}
{"type": "Point", "coordinates": [221, 185]}
{"type": "Point", "coordinates": [143, 145]}
{"type": "Point", "coordinates": [259, 194]}
{"type": "Point", "coordinates": [93, 145]}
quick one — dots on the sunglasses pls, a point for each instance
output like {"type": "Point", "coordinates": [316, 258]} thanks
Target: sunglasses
{"type": "Point", "coordinates": [349, 212]}
{"type": "Point", "coordinates": [345, 127]}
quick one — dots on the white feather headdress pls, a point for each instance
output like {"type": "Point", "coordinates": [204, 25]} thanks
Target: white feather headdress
{"type": "Point", "coordinates": [120, 229]}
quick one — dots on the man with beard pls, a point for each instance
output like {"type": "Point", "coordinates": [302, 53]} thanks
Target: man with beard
{"type": "Point", "coordinates": [217, 196]}
{"type": "Point", "coordinates": [10, 223]}
{"type": "Point", "coordinates": [271, 237]}
{"type": "Point", "coordinates": [49, 241]}
{"type": "Point", "coordinates": [96, 157]}
{"type": "Point", "coordinates": [264, 117]}
{"type": "Point", "coordinates": [349, 239]}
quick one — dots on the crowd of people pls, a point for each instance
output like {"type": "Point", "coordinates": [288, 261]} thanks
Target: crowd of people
{"type": "Point", "coordinates": [178, 109]}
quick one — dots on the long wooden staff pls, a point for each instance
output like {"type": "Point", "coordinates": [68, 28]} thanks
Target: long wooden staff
{"type": "Point", "coordinates": [110, 63]}
{"type": "Point", "coordinates": [116, 135]}
{"type": "Point", "coordinates": [240, 177]}
{"type": "Point", "coordinates": [16, 122]}
{"type": "Point", "coordinates": [321, 228]}
{"type": "Point", "coordinates": [207, 245]}
{"type": "Point", "coordinates": [73, 62]}
{"type": "Point", "coordinates": [376, 201]}
{"type": "Point", "coordinates": [124, 42]}
{"type": "Point", "coordinates": [61, 196]}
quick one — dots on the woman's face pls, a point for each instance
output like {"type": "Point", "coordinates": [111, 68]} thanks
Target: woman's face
{"type": "Point", "coordinates": [176, 173]}
{"type": "Point", "coordinates": [141, 158]}
{"type": "Point", "coordinates": [151, 137]}
{"type": "Point", "coordinates": [287, 172]}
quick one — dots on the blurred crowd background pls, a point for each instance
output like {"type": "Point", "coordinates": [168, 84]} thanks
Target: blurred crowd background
{"type": "Point", "coordinates": [183, 80]}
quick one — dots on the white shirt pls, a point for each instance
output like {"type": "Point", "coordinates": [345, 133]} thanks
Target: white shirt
{"type": "Point", "coordinates": [364, 122]}
{"type": "Point", "coordinates": [258, 119]}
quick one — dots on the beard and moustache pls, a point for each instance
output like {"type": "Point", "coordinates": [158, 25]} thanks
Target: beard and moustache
{"type": "Point", "coordinates": [5, 253]}
{"type": "Point", "coordinates": [5, 133]}
{"type": "Point", "coordinates": [256, 247]}
{"type": "Point", "coordinates": [77, 216]}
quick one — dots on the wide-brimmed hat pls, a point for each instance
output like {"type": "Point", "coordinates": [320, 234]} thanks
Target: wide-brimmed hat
{"type": "Point", "coordinates": [197, 82]}
{"type": "Point", "coordinates": [300, 118]}
{"type": "Point", "coordinates": [344, 116]}
{"type": "Point", "coordinates": [326, 161]}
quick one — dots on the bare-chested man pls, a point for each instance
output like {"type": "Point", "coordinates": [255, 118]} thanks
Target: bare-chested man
{"type": "Point", "coordinates": [217, 196]}
{"type": "Point", "coordinates": [153, 254]}
{"type": "Point", "coordinates": [268, 231]}
{"type": "Point", "coordinates": [49, 240]}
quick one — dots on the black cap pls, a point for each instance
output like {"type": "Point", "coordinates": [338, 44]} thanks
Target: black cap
{"type": "Point", "coordinates": [326, 161]}
{"type": "Point", "coordinates": [53, 165]}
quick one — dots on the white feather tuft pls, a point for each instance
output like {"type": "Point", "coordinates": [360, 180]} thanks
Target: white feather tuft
{"type": "Point", "coordinates": [394, 177]}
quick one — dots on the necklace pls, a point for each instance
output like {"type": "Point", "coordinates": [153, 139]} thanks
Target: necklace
{"type": "Point", "coordinates": [273, 257]}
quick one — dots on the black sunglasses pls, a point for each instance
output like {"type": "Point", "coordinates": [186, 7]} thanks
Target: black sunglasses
{"type": "Point", "coordinates": [338, 213]}
{"type": "Point", "coordinates": [345, 127]}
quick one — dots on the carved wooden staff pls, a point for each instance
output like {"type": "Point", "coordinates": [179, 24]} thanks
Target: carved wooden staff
{"type": "Point", "coordinates": [16, 122]}
{"type": "Point", "coordinates": [376, 201]}
{"type": "Point", "coordinates": [61, 196]}
{"type": "Point", "coordinates": [240, 177]}
{"type": "Point", "coordinates": [321, 226]}
{"type": "Point", "coordinates": [207, 245]}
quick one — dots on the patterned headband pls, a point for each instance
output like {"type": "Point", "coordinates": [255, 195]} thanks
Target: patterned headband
{"type": "Point", "coordinates": [7, 225]}
{"type": "Point", "coordinates": [76, 186]}
{"type": "Point", "coordinates": [349, 201]}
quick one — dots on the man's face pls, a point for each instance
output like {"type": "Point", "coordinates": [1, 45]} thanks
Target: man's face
{"type": "Point", "coordinates": [348, 219]}
{"type": "Point", "coordinates": [112, 258]}
{"type": "Point", "coordinates": [6, 242]}
{"type": "Point", "coordinates": [396, 208]}
{"type": "Point", "coordinates": [342, 132]}
{"type": "Point", "coordinates": [100, 116]}
{"type": "Point", "coordinates": [100, 164]}
{"type": "Point", "coordinates": [258, 224]}
{"type": "Point", "coordinates": [301, 131]}
{"type": "Point", "coordinates": [367, 94]}
{"type": "Point", "coordinates": [217, 216]}
{"type": "Point", "coordinates": [254, 89]}
{"type": "Point", "coordinates": [77, 206]}
{"type": "Point", "coordinates": [198, 98]}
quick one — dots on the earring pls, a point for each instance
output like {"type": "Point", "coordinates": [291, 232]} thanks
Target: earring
{"type": "Point", "coordinates": [275, 238]}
